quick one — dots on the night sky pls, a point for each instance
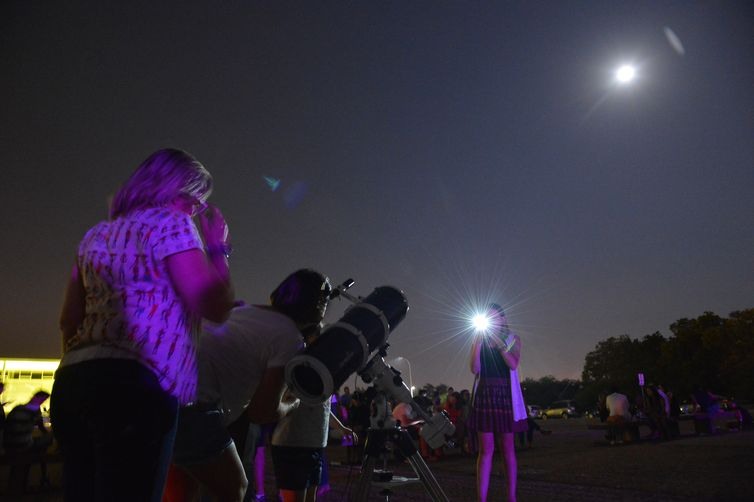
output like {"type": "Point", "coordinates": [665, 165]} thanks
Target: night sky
{"type": "Point", "coordinates": [462, 151]}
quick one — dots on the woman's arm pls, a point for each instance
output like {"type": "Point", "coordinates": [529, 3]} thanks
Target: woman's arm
{"type": "Point", "coordinates": [73, 310]}
{"type": "Point", "coordinates": [512, 356]}
{"type": "Point", "coordinates": [203, 281]}
{"type": "Point", "coordinates": [511, 353]}
{"type": "Point", "coordinates": [270, 401]}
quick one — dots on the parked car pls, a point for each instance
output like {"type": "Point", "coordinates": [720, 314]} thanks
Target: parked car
{"type": "Point", "coordinates": [687, 408]}
{"type": "Point", "coordinates": [592, 413]}
{"type": "Point", "coordinates": [561, 409]}
{"type": "Point", "coordinates": [534, 411]}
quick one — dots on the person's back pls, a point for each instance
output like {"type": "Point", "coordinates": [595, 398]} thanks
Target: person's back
{"type": "Point", "coordinates": [234, 356]}
{"type": "Point", "coordinates": [617, 405]}
{"type": "Point", "coordinates": [19, 426]}
{"type": "Point", "coordinates": [132, 310]}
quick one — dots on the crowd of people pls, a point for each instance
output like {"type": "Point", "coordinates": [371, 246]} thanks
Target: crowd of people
{"type": "Point", "coordinates": [658, 407]}
{"type": "Point", "coordinates": [170, 386]}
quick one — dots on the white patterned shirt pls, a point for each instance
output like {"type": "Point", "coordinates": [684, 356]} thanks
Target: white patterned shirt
{"type": "Point", "coordinates": [132, 309]}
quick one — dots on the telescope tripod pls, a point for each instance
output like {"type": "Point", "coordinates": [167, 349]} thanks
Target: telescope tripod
{"type": "Point", "coordinates": [375, 448]}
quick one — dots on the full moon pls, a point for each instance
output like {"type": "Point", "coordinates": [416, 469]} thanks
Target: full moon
{"type": "Point", "coordinates": [625, 74]}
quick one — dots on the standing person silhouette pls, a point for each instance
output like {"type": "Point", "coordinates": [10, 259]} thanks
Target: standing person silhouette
{"type": "Point", "coordinates": [497, 407]}
{"type": "Point", "coordinates": [139, 286]}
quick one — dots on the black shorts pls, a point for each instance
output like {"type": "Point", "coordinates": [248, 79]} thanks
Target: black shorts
{"type": "Point", "coordinates": [297, 468]}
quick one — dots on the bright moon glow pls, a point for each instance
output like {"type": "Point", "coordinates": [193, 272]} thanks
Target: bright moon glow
{"type": "Point", "coordinates": [480, 322]}
{"type": "Point", "coordinates": [625, 74]}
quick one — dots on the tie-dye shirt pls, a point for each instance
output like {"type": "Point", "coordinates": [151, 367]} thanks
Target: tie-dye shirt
{"type": "Point", "coordinates": [132, 309]}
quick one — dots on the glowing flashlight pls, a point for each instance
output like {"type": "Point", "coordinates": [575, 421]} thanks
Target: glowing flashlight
{"type": "Point", "coordinates": [480, 322]}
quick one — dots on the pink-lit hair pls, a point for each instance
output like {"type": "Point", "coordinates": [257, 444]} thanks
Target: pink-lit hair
{"type": "Point", "coordinates": [161, 178]}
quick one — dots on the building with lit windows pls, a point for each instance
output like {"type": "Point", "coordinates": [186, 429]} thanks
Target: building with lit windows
{"type": "Point", "coordinates": [24, 377]}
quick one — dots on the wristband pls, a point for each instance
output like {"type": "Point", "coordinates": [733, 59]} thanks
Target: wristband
{"type": "Point", "coordinates": [508, 341]}
{"type": "Point", "coordinates": [220, 249]}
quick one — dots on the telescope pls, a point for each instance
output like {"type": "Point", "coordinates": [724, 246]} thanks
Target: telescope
{"type": "Point", "coordinates": [345, 346]}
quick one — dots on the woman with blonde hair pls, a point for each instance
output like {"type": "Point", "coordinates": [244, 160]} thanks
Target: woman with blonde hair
{"type": "Point", "coordinates": [497, 408]}
{"type": "Point", "coordinates": [140, 284]}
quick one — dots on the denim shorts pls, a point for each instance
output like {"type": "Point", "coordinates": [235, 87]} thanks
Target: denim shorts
{"type": "Point", "coordinates": [201, 437]}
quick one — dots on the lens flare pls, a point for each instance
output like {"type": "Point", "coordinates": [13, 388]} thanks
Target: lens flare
{"type": "Point", "coordinates": [480, 322]}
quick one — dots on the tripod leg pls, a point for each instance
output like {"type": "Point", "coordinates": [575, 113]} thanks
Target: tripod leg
{"type": "Point", "coordinates": [407, 447]}
{"type": "Point", "coordinates": [365, 481]}
{"type": "Point", "coordinates": [427, 478]}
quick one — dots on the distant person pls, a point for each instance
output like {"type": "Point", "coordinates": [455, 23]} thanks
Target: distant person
{"type": "Point", "coordinates": [527, 438]}
{"type": "Point", "coordinates": [497, 409]}
{"type": "Point", "coordinates": [713, 409]}
{"type": "Point", "coordinates": [706, 401]}
{"type": "Point", "coordinates": [454, 408]}
{"type": "Point", "coordinates": [345, 398]}
{"type": "Point", "coordinates": [673, 410]}
{"type": "Point", "coordinates": [444, 395]}
{"type": "Point", "coordinates": [665, 400]}
{"type": "Point", "coordinates": [241, 377]}
{"type": "Point", "coordinates": [19, 435]}
{"type": "Point", "coordinates": [20, 424]}
{"type": "Point", "coordinates": [654, 407]}
{"type": "Point", "coordinates": [618, 410]}
{"type": "Point", "coordinates": [424, 401]}
{"type": "Point", "coordinates": [139, 286]}
{"type": "Point", "coordinates": [359, 412]}
{"type": "Point", "coordinates": [602, 411]}
{"type": "Point", "coordinates": [465, 405]}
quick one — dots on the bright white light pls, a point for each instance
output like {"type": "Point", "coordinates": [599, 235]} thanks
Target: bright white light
{"type": "Point", "coordinates": [625, 74]}
{"type": "Point", "coordinates": [480, 322]}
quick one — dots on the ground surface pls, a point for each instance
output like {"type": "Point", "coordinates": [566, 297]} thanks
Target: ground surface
{"type": "Point", "coordinates": [572, 464]}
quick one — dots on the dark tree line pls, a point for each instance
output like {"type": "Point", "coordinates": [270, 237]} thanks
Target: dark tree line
{"type": "Point", "coordinates": [711, 351]}
{"type": "Point", "coordinates": [544, 391]}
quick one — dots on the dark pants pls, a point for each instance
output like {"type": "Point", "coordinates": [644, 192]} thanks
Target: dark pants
{"type": "Point", "coordinates": [116, 427]}
{"type": "Point", "coordinates": [529, 432]}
